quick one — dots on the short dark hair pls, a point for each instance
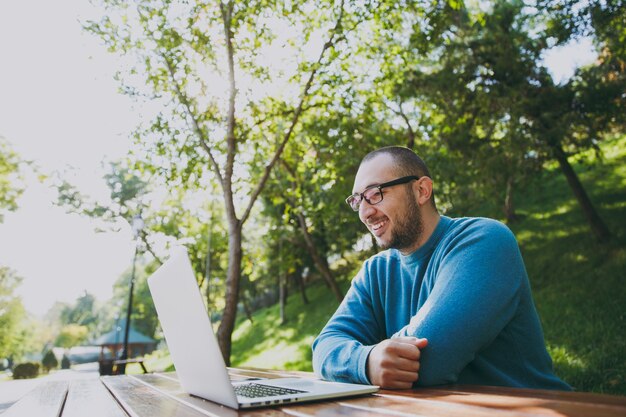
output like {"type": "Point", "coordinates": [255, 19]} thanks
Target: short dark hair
{"type": "Point", "coordinates": [406, 161]}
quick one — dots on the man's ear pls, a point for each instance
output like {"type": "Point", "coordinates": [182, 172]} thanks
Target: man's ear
{"type": "Point", "coordinates": [423, 189]}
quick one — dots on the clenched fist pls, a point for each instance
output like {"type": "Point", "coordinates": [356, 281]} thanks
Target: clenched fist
{"type": "Point", "coordinates": [394, 363]}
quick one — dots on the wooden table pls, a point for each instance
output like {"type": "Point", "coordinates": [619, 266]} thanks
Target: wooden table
{"type": "Point", "coordinates": [160, 395]}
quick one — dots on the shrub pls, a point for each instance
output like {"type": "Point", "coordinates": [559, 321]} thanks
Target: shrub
{"type": "Point", "coordinates": [26, 370]}
{"type": "Point", "coordinates": [65, 362]}
{"type": "Point", "coordinates": [49, 361]}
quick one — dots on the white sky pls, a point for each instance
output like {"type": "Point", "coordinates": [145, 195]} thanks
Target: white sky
{"type": "Point", "coordinates": [59, 107]}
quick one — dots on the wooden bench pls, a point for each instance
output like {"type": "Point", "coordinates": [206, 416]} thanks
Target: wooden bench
{"type": "Point", "coordinates": [118, 362]}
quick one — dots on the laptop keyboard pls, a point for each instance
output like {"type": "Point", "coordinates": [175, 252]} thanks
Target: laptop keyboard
{"type": "Point", "coordinates": [259, 390]}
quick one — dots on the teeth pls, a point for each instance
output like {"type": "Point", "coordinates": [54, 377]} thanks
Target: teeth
{"type": "Point", "coordinates": [376, 226]}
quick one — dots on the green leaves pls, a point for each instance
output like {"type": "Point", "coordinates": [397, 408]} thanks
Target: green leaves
{"type": "Point", "coordinates": [10, 186]}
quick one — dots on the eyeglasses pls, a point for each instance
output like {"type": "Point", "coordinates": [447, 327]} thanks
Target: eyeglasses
{"type": "Point", "coordinates": [374, 194]}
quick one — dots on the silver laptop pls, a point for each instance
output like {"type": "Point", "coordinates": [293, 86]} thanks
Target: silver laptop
{"type": "Point", "coordinates": [196, 355]}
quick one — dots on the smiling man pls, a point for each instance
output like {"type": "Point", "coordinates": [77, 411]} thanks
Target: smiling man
{"type": "Point", "coordinates": [447, 301]}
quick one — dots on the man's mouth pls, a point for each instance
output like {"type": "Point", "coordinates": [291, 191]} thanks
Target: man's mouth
{"type": "Point", "coordinates": [377, 226]}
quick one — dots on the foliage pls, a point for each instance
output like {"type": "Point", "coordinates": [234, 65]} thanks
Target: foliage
{"type": "Point", "coordinates": [65, 362]}
{"type": "Point", "coordinates": [49, 361]}
{"type": "Point", "coordinates": [82, 313]}
{"type": "Point", "coordinates": [497, 111]}
{"type": "Point", "coordinates": [462, 84]}
{"type": "Point", "coordinates": [219, 98]}
{"type": "Point", "coordinates": [10, 187]}
{"type": "Point", "coordinates": [71, 335]}
{"type": "Point", "coordinates": [12, 313]}
{"type": "Point", "coordinates": [26, 370]}
{"type": "Point", "coordinates": [143, 317]}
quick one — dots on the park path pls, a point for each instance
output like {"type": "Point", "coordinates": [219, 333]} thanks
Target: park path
{"type": "Point", "coordinates": [12, 391]}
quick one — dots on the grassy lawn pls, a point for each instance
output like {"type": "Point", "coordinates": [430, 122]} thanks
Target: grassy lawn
{"type": "Point", "coordinates": [578, 285]}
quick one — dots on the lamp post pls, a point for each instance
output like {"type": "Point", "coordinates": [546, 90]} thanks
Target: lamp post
{"type": "Point", "coordinates": [137, 225]}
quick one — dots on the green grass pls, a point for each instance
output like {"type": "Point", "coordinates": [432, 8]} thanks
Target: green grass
{"type": "Point", "coordinates": [265, 343]}
{"type": "Point", "coordinates": [578, 285]}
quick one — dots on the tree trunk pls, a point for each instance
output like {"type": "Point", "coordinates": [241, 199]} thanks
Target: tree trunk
{"type": "Point", "coordinates": [282, 298]}
{"type": "Point", "coordinates": [300, 282]}
{"type": "Point", "coordinates": [282, 290]}
{"type": "Point", "coordinates": [598, 228]}
{"type": "Point", "coordinates": [320, 262]}
{"type": "Point", "coordinates": [246, 307]}
{"type": "Point", "coordinates": [509, 208]}
{"type": "Point", "coordinates": [233, 273]}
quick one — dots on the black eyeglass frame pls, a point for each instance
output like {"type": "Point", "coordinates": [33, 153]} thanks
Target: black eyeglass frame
{"type": "Point", "coordinates": [361, 196]}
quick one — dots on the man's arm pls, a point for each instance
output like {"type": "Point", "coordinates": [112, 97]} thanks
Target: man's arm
{"type": "Point", "coordinates": [394, 363]}
{"type": "Point", "coordinates": [352, 345]}
{"type": "Point", "coordinates": [341, 350]}
{"type": "Point", "coordinates": [475, 295]}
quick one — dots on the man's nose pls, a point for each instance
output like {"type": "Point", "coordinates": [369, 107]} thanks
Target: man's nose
{"type": "Point", "coordinates": [365, 210]}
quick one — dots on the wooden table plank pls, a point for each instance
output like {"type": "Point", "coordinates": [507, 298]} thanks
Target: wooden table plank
{"type": "Point", "coordinates": [45, 400]}
{"type": "Point", "coordinates": [140, 400]}
{"type": "Point", "coordinates": [469, 401]}
{"type": "Point", "coordinates": [89, 397]}
{"type": "Point", "coordinates": [534, 402]}
{"type": "Point", "coordinates": [169, 385]}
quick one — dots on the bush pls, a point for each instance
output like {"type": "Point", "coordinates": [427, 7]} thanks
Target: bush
{"type": "Point", "coordinates": [49, 361]}
{"type": "Point", "coordinates": [26, 370]}
{"type": "Point", "coordinates": [65, 362]}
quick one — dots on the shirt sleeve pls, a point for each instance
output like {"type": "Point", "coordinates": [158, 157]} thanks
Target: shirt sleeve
{"type": "Point", "coordinates": [475, 294]}
{"type": "Point", "coordinates": [340, 351]}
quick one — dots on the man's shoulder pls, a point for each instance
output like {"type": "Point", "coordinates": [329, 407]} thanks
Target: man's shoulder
{"type": "Point", "coordinates": [384, 257]}
{"type": "Point", "coordinates": [478, 233]}
{"type": "Point", "coordinates": [478, 226]}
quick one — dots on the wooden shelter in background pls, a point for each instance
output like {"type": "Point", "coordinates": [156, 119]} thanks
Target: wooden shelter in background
{"type": "Point", "coordinates": [112, 343]}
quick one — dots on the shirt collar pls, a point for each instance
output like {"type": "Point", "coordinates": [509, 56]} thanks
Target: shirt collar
{"type": "Point", "coordinates": [426, 249]}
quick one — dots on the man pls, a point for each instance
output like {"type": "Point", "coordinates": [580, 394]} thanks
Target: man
{"type": "Point", "coordinates": [448, 302]}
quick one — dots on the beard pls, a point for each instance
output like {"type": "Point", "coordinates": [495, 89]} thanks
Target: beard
{"type": "Point", "coordinates": [409, 228]}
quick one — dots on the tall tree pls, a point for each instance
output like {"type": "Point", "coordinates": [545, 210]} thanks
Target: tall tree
{"type": "Point", "coordinates": [496, 102]}
{"type": "Point", "coordinates": [11, 313]}
{"type": "Point", "coordinates": [10, 186]}
{"type": "Point", "coordinates": [127, 192]}
{"type": "Point", "coordinates": [203, 62]}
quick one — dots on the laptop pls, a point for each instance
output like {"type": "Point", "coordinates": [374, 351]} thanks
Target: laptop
{"type": "Point", "coordinates": [197, 357]}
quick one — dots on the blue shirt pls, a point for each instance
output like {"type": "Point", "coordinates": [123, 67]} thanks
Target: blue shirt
{"type": "Point", "coordinates": [465, 290]}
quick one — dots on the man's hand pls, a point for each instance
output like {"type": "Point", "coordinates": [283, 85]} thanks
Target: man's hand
{"type": "Point", "coordinates": [394, 363]}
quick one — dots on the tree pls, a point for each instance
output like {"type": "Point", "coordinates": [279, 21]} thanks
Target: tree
{"type": "Point", "coordinates": [82, 313]}
{"type": "Point", "coordinates": [496, 103]}
{"type": "Point", "coordinates": [49, 361]}
{"type": "Point", "coordinates": [143, 317]}
{"type": "Point", "coordinates": [71, 335]}
{"type": "Point", "coordinates": [10, 187]}
{"type": "Point", "coordinates": [12, 313]}
{"type": "Point", "coordinates": [216, 121]}
{"type": "Point", "coordinates": [127, 192]}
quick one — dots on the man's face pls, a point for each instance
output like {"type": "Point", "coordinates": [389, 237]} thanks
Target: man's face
{"type": "Point", "coordinates": [396, 221]}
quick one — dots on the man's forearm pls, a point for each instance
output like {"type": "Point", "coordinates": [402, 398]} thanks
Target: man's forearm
{"type": "Point", "coordinates": [341, 359]}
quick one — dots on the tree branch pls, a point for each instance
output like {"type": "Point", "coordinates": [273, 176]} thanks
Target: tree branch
{"type": "Point", "coordinates": [196, 126]}
{"type": "Point", "coordinates": [295, 118]}
{"type": "Point", "coordinates": [231, 140]}
{"type": "Point", "coordinates": [144, 239]}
